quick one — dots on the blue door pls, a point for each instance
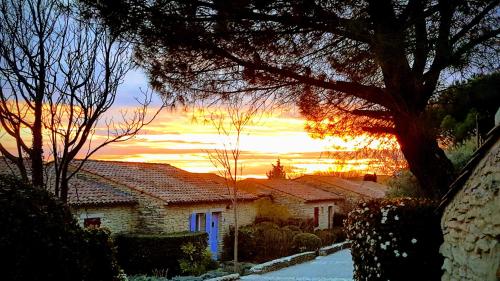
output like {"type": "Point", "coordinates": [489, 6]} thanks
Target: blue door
{"type": "Point", "coordinates": [212, 228]}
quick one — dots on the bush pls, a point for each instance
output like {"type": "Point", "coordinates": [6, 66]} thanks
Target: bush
{"type": "Point", "coordinates": [340, 234]}
{"type": "Point", "coordinates": [101, 256]}
{"type": "Point", "coordinates": [146, 253]}
{"type": "Point", "coordinates": [305, 225]}
{"type": "Point", "coordinates": [195, 261]}
{"type": "Point", "coordinates": [304, 242]}
{"type": "Point", "coordinates": [395, 239]}
{"type": "Point", "coordinates": [460, 153]}
{"type": "Point", "coordinates": [40, 239]}
{"type": "Point", "coordinates": [326, 236]}
{"type": "Point", "coordinates": [330, 236]}
{"type": "Point", "coordinates": [268, 211]}
{"type": "Point", "coordinates": [260, 242]}
{"type": "Point", "coordinates": [404, 184]}
{"type": "Point", "coordinates": [338, 219]}
{"type": "Point", "coordinates": [272, 241]}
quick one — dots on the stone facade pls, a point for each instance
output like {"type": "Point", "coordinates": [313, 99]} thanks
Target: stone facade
{"type": "Point", "coordinates": [471, 224]}
{"type": "Point", "coordinates": [305, 210]}
{"type": "Point", "coordinates": [153, 215]}
{"type": "Point", "coordinates": [178, 216]}
{"type": "Point", "coordinates": [118, 219]}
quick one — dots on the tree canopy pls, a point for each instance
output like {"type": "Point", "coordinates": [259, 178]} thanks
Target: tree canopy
{"type": "Point", "coordinates": [466, 107]}
{"type": "Point", "coordinates": [352, 66]}
{"type": "Point", "coordinates": [277, 172]}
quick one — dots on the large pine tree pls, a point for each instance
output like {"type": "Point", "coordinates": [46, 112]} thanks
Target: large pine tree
{"type": "Point", "coordinates": [352, 66]}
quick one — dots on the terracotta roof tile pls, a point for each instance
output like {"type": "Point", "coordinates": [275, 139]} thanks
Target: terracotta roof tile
{"type": "Point", "coordinates": [85, 190]}
{"type": "Point", "coordinates": [345, 187]}
{"type": "Point", "coordinates": [163, 181]}
{"type": "Point", "coordinates": [276, 187]}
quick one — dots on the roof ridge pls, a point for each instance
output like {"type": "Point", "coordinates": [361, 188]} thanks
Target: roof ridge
{"type": "Point", "coordinates": [341, 187]}
{"type": "Point", "coordinates": [127, 162]}
{"type": "Point", "coordinates": [302, 184]}
{"type": "Point", "coordinates": [270, 187]}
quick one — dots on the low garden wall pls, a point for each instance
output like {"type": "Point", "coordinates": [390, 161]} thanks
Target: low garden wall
{"type": "Point", "coordinates": [282, 262]}
{"type": "Point", "coordinates": [297, 258]}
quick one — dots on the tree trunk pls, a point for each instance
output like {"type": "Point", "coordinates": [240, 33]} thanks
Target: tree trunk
{"type": "Point", "coordinates": [426, 159]}
{"type": "Point", "coordinates": [37, 148]}
{"type": "Point", "coordinates": [64, 187]}
{"type": "Point", "coordinates": [236, 230]}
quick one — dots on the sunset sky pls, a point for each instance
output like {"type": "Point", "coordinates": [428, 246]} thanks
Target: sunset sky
{"type": "Point", "coordinates": [177, 138]}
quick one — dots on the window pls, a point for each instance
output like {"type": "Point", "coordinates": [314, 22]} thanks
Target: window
{"type": "Point", "coordinates": [330, 216]}
{"type": "Point", "coordinates": [200, 222]}
{"type": "Point", "coordinates": [197, 222]}
{"type": "Point", "coordinates": [92, 222]}
{"type": "Point", "coordinates": [316, 216]}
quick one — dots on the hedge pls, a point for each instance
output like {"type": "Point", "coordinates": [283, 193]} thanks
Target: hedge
{"type": "Point", "coordinates": [395, 239]}
{"type": "Point", "coordinates": [146, 253]}
{"type": "Point", "coordinates": [40, 239]}
{"type": "Point", "coordinates": [303, 242]}
{"type": "Point", "coordinates": [265, 240]}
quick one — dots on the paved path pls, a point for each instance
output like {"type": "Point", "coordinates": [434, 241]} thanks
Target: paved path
{"type": "Point", "coordinates": [335, 267]}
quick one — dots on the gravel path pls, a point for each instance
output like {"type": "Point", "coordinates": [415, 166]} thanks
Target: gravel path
{"type": "Point", "coordinates": [335, 267]}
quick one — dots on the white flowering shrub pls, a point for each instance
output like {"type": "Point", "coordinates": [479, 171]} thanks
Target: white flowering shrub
{"type": "Point", "coordinates": [395, 239]}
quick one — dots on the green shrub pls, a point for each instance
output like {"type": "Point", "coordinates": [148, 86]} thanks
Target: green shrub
{"type": "Point", "coordinates": [460, 153]}
{"type": "Point", "coordinates": [267, 225]}
{"type": "Point", "coordinates": [260, 242]}
{"type": "Point", "coordinates": [195, 261]}
{"type": "Point", "coordinates": [145, 253]}
{"type": "Point", "coordinates": [338, 219]}
{"type": "Point", "coordinates": [101, 255]}
{"type": "Point", "coordinates": [404, 184]}
{"type": "Point", "coordinates": [247, 244]}
{"type": "Point", "coordinates": [40, 239]}
{"type": "Point", "coordinates": [303, 242]}
{"type": "Point", "coordinates": [395, 239]}
{"type": "Point", "coordinates": [292, 228]}
{"type": "Point", "coordinates": [340, 234]}
{"type": "Point", "coordinates": [305, 225]}
{"type": "Point", "coordinates": [272, 242]}
{"type": "Point", "coordinates": [268, 211]}
{"type": "Point", "coordinates": [327, 236]}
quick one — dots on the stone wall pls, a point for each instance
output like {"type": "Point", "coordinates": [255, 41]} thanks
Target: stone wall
{"type": "Point", "coordinates": [304, 210]}
{"type": "Point", "coordinates": [471, 225]}
{"type": "Point", "coordinates": [118, 219]}
{"type": "Point", "coordinates": [323, 212]}
{"type": "Point", "coordinates": [178, 216]}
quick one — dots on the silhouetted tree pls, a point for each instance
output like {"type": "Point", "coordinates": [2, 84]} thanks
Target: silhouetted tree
{"type": "Point", "coordinates": [59, 75]}
{"type": "Point", "coordinates": [230, 122]}
{"type": "Point", "coordinates": [277, 172]}
{"type": "Point", "coordinates": [351, 66]}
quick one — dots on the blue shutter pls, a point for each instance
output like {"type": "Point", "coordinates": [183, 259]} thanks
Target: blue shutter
{"type": "Point", "coordinates": [192, 222]}
{"type": "Point", "coordinates": [208, 222]}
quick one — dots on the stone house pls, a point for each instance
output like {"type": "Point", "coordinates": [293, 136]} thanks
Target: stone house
{"type": "Point", "coordinates": [352, 191]}
{"type": "Point", "coordinates": [303, 201]}
{"type": "Point", "coordinates": [471, 217]}
{"type": "Point", "coordinates": [168, 200]}
{"type": "Point", "coordinates": [94, 201]}
{"type": "Point", "coordinates": [99, 203]}
{"type": "Point", "coordinates": [128, 197]}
